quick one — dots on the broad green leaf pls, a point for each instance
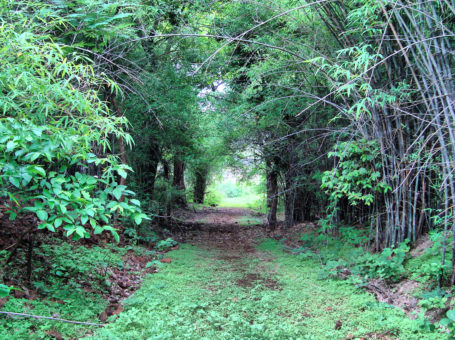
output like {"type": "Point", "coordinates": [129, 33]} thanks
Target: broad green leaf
{"type": "Point", "coordinates": [135, 202]}
{"type": "Point", "coordinates": [122, 173]}
{"type": "Point", "coordinates": [117, 192]}
{"type": "Point", "coordinates": [116, 236]}
{"type": "Point", "coordinates": [42, 215]}
{"type": "Point", "coordinates": [84, 219]}
{"type": "Point", "coordinates": [10, 146]}
{"type": "Point", "coordinates": [58, 222]}
{"type": "Point", "coordinates": [138, 218]}
{"type": "Point", "coordinates": [14, 181]}
{"type": "Point", "coordinates": [98, 230]}
{"type": "Point", "coordinates": [39, 170]}
{"type": "Point", "coordinates": [451, 314]}
{"type": "Point", "coordinates": [80, 231]}
{"type": "Point", "coordinates": [4, 290]}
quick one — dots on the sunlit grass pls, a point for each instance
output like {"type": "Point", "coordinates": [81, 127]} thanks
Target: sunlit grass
{"type": "Point", "coordinates": [233, 193]}
{"type": "Point", "coordinates": [250, 201]}
{"type": "Point", "coordinates": [250, 220]}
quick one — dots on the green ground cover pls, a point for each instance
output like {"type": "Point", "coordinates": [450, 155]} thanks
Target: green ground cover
{"type": "Point", "coordinates": [67, 283]}
{"type": "Point", "coordinates": [266, 294]}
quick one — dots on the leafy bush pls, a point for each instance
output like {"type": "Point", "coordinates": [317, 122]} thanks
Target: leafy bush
{"type": "Point", "coordinates": [449, 322]}
{"type": "Point", "coordinates": [69, 261]}
{"type": "Point", "coordinates": [53, 130]}
{"type": "Point", "coordinates": [357, 176]}
{"type": "Point", "coordinates": [213, 198]}
{"type": "Point", "coordinates": [435, 299]}
{"type": "Point", "coordinates": [5, 290]}
{"type": "Point", "coordinates": [165, 244]}
{"type": "Point", "coordinates": [428, 267]}
{"type": "Point", "coordinates": [165, 194]}
{"type": "Point", "coordinates": [389, 264]}
{"type": "Point", "coordinates": [353, 236]}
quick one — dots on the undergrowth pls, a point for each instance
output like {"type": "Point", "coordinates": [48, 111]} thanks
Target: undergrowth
{"type": "Point", "coordinates": [198, 296]}
{"type": "Point", "coordinates": [343, 258]}
{"type": "Point", "coordinates": [68, 282]}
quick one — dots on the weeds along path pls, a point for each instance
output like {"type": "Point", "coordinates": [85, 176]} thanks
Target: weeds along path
{"type": "Point", "coordinates": [230, 282]}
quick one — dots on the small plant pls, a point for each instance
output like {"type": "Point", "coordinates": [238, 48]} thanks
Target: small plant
{"type": "Point", "coordinates": [422, 323]}
{"type": "Point", "coordinates": [432, 271]}
{"type": "Point", "coordinates": [435, 302]}
{"type": "Point", "coordinates": [449, 322]}
{"type": "Point", "coordinates": [353, 236]}
{"type": "Point", "coordinates": [5, 290]}
{"type": "Point", "coordinates": [388, 265]}
{"type": "Point", "coordinates": [357, 176]}
{"type": "Point", "coordinates": [165, 244]}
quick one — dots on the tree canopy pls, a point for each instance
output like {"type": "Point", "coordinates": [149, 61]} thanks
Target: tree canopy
{"type": "Point", "coordinates": [116, 113]}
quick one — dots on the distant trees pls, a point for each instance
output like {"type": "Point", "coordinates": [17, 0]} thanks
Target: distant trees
{"type": "Point", "coordinates": [367, 83]}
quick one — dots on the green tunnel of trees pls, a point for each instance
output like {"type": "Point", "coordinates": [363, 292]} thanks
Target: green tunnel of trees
{"type": "Point", "coordinates": [346, 106]}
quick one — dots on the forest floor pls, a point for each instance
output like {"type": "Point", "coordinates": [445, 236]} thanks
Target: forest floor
{"type": "Point", "coordinates": [232, 279]}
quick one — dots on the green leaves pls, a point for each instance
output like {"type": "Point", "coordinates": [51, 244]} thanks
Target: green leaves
{"type": "Point", "coordinates": [53, 121]}
{"type": "Point", "coordinates": [122, 172]}
{"type": "Point", "coordinates": [42, 215]}
{"type": "Point", "coordinates": [451, 315]}
{"type": "Point", "coordinates": [355, 176]}
{"type": "Point", "coordinates": [14, 181]}
{"type": "Point", "coordinates": [118, 191]}
{"type": "Point", "coordinates": [5, 290]}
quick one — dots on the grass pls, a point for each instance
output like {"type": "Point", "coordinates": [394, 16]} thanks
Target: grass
{"type": "Point", "coordinates": [233, 193]}
{"type": "Point", "coordinates": [240, 201]}
{"type": "Point", "coordinates": [250, 220]}
{"type": "Point", "coordinates": [69, 286]}
{"type": "Point", "coordinates": [200, 295]}
{"type": "Point", "coordinates": [65, 302]}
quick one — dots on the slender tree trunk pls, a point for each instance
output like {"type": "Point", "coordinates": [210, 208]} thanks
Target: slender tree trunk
{"type": "Point", "coordinates": [301, 208]}
{"type": "Point", "coordinates": [272, 196]}
{"type": "Point", "coordinates": [179, 180]}
{"type": "Point", "coordinates": [151, 177]}
{"type": "Point", "coordinates": [289, 202]}
{"type": "Point", "coordinates": [168, 201]}
{"type": "Point", "coordinates": [200, 185]}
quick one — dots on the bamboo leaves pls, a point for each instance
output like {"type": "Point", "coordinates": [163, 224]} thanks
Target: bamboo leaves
{"type": "Point", "coordinates": [54, 128]}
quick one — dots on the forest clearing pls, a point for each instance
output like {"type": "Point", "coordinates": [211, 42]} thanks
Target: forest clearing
{"type": "Point", "coordinates": [212, 169]}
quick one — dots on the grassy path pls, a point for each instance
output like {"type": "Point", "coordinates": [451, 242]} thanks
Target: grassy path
{"type": "Point", "coordinates": [243, 292]}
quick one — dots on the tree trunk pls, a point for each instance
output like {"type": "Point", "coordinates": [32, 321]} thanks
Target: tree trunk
{"type": "Point", "coordinates": [179, 180]}
{"type": "Point", "coordinates": [301, 209]}
{"type": "Point", "coordinates": [151, 177]}
{"type": "Point", "coordinates": [200, 185]}
{"type": "Point", "coordinates": [289, 202]}
{"type": "Point", "coordinates": [272, 196]}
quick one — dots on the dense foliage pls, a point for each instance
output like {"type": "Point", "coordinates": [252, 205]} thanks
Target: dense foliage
{"type": "Point", "coordinates": [116, 113]}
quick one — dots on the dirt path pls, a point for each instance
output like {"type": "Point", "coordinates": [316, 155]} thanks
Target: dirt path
{"type": "Point", "coordinates": [222, 229]}
{"type": "Point", "coordinates": [231, 281]}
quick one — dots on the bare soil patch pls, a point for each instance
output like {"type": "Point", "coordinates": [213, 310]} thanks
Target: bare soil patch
{"type": "Point", "coordinates": [217, 229]}
{"type": "Point", "coordinates": [399, 294]}
{"type": "Point", "coordinates": [252, 279]}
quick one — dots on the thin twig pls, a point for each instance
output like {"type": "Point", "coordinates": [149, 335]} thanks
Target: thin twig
{"type": "Point", "coordinates": [54, 319]}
